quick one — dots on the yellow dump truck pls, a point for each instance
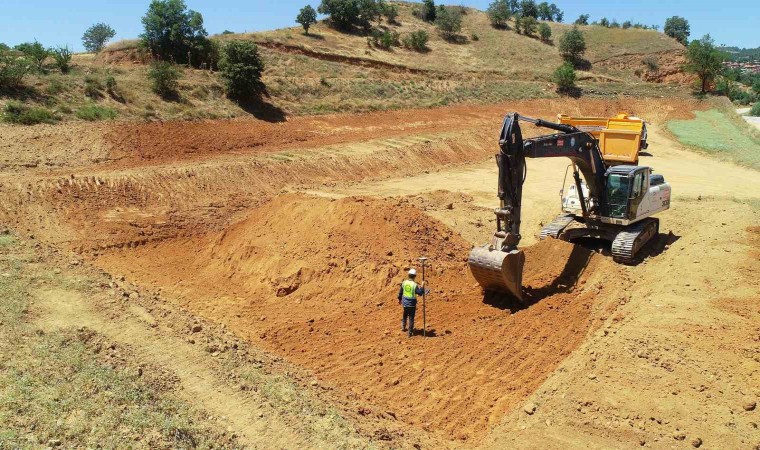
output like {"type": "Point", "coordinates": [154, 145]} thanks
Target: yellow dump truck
{"type": "Point", "coordinates": [620, 138]}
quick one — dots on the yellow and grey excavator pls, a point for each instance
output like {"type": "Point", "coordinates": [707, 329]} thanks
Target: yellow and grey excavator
{"type": "Point", "coordinates": [612, 201]}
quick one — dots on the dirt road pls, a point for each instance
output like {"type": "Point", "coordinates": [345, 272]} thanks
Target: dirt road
{"type": "Point", "coordinates": [295, 235]}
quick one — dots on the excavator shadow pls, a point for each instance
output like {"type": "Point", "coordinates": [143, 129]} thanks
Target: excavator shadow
{"type": "Point", "coordinates": [574, 267]}
{"type": "Point", "coordinates": [656, 246]}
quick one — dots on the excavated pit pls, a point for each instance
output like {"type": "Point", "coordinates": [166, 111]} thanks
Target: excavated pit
{"type": "Point", "coordinates": [315, 281]}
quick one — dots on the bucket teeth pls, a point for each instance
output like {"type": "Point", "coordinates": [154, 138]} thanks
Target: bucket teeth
{"type": "Point", "coordinates": [498, 271]}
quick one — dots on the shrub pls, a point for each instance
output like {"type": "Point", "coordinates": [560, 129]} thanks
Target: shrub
{"type": "Point", "coordinates": [416, 40]}
{"type": "Point", "coordinates": [545, 32]}
{"type": "Point", "coordinates": [651, 63]}
{"type": "Point", "coordinates": [172, 32]}
{"type": "Point", "coordinates": [755, 111]}
{"type": "Point", "coordinates": [62, 56]}
{"type": "Point", "coordinates": [93, 87]}
{"type": "Point", "coordinates": [23, 115]}
{"type": "Point", "coordinates": [529, 25]}
{"type": "Point", "coordinates": [307, 17]}
{"type": "Point", "coordinates": [241, 68]}
{"type": "Point", "coordinates": [474, 37]}
{"type": "Point", "coordinates": [164, 77]}
{"type": "Point", "coordinates": [12, 70]}
{"type": "Point", "coordinates": [96, 112]}
{"type": "Point", "coordinates": [36, 53]}
{"type": "Point", "coordinates": [627, 24]}
{"type": "Point", "coordinates": [677, 28]}
{"type": "Point", "coordinates": [390, 12]}
{"type": "Point", "coordinates": [572, 45]}
{"type": "Point", "coordinates": [604, 22]}
{"type": "Point", "coordinates": [448, 21]}
{"type": "Point", "coordinates": [499, 13]}
{"type": "Point", "coordinates": [565, 77]}
{"type": "Point", "coordinates": [95, 38]}
{"type": "Point", "coordinates": [386, 39]}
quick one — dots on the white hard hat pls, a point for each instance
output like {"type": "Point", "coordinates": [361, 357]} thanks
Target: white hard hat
{"type": "Point", "coordinates": [412, 272]}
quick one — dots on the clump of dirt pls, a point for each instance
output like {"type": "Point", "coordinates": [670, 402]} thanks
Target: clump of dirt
{"type": "Point", "coordinates": [315, 280]}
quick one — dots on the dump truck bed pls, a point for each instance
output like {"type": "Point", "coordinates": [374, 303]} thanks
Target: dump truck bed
{"type": "Point", "coordinates": [621, 138]}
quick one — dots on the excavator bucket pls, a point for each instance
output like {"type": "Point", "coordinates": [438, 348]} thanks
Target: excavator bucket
{"type": "Point", "coordinates": [498, 271]}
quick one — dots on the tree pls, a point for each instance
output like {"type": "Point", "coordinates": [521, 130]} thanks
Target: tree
{"type": "Point", "coordinates": [678, 28]}
{"type": "Point", "coordinates": [448, 21]}
{"type": "Point", "coordinates": [62, 56]}
{"type": "Point", "coordinates": [614, 24]}
{"type": "Point", "coordinates": [604, 22]}
{"type": "Point", "coordinates": [164, 78]}
{"type": "Point", "coordinates": [545, 32]}
{"type": "Point", "coordinates": [499, 13]}
{"type": "Point", "coordinates": [572, 45]}
{"type": "Point", "coordinates": [95, 38]}
{"type": "Point", "coordinates": [347, 14]}
{"type": "Point", "coordinates": [306, 17]}
{"type": "Point", "coordinates": [544, 12]}
{"type": "Point", "coordinates": [241, 67]}
{"type": "Point", "coordinates": [529, 25]}
{"type": "Point", "coordinates": [705, 60]}
{"type": "Point", "coordinates": [12, 69]}
{"type": "Point", "coordinates": [627, 24]}
{"type": "Point", "coordinates": [174, 33]}
{"type": "Point", "coordinates": [528, 8]}
{"type": "Point", "coordinates": [428, 10]}
{"type": "Point", "coordinates": [582, 19]}
{"type": "Point", "coordinates": [34, 52]}
{"type": "Point", "coordinates": [556, 13]}
{"type": "Point", "coordinates": [565, 77]}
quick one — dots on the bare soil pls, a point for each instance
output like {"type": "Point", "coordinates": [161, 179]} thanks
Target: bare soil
{"type": "Point", "coordinates": [293, 237]}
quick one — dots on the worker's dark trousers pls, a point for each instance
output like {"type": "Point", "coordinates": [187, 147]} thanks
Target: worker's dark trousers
{"type": "Point", "coordinates": [408, 313]}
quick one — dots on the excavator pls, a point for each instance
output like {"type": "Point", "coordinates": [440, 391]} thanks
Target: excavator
{"type": "Point", "coordinates": [609, 199]}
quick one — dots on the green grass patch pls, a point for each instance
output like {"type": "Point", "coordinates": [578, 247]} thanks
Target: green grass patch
{"type": "Point", "coordinates": [96, 112]}
{"type": "Point", "coordinates": [25, 115]}
{"type": "Point", "coordinates": [715, 133]}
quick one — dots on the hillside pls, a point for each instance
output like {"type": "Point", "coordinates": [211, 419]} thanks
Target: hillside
{"type": "Point", "coordinates": [328, 71]}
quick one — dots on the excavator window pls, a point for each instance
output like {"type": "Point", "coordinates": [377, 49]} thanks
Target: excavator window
{"type": "Point", "coordinates": [618, 192]}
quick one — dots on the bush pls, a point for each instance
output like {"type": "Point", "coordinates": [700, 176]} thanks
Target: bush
{"type": "Point", "coordinates": [172, 32]}
{"type": "Point", "coordinates": [307, 17]}
{"type": "Point", "coordinates": [448, 21]}
{"type": "Point", "coordinates": [565, 77]}
{"type": "Point", "coordinates": [499, 13]}
{"type": "Point", "coordinates": [545, 32]}
{"type": "Point", "coordinates": [390, 12]}
{"type": "Point", "coordinates": [95, 38]}
{"type": "Point", "coordinates": [12, 70]}
{"type": "Point", "coordinates": [582, 19]}
{"type": "Point", "coordinates": [572, 45]}
{"type": "Point", "coordinates": [529, 25]}
{"type": "Point", "coordinates": [165, 77]}
{"type": "Point", "coordinates": [474, 37]}
{"type": "Point", "coordinates": [385, 39]}
{"type": "Point", "coordinates": [416, 40]}
{"type": "Point", "coordinates": [96, 112]}
{"type": "Point", "coordinates": [93, 87]}
{"type": "Point", "coordinates": [36, 53]}
{"type": "Point", "coordinates": [62, 56]}
{"type": "Point", "coordinates": [755, 111]}
{"type": "Point", "coordinates": [651, 63]}
{"type": "Point", "coordinates": [241, 68]}
{"type": "Point", "coordinates": [23, 115]}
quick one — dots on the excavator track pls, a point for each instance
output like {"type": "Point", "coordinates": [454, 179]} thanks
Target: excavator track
{"type": "Point", "coordinates": [629, 241]}
{"type": "Point", "coordinates": [556, 226]}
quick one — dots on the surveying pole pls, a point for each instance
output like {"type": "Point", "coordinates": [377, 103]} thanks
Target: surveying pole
{"type": "Point", "coordinates": [423, 261]}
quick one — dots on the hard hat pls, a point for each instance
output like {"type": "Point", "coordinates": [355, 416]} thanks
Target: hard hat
{"type": "Point", "coordinates": [412, 272]}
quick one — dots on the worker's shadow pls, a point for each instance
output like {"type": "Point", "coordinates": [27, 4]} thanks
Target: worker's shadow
{"type": "Point", "coordinates": [565, 282]}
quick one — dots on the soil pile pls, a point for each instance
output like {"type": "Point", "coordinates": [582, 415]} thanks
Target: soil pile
{"type": "Point", "coordinates": [316, 279]}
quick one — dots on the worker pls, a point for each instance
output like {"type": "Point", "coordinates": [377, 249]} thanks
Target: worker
{"type": "Point", "coordinates": [407, 297]}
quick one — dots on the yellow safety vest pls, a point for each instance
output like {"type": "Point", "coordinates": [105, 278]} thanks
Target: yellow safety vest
{"type": "Point", "coordinates": [409, 289]}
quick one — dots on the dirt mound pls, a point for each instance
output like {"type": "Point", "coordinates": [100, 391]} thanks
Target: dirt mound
{"type": "Point", "coordinates": [315, 280]}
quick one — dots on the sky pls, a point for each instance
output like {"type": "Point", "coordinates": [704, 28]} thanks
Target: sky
{"type": "Point", "coordinates": [62, 22]}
